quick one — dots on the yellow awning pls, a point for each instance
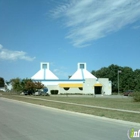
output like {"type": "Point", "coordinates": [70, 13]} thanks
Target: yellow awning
{"type": "Point", "coordinates": [97, 85]}
{"type": "Point", "coordinates": [70, 85]}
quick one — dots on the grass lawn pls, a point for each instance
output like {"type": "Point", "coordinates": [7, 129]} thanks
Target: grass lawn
{"type": "Point", "coordinates": [118, 103]}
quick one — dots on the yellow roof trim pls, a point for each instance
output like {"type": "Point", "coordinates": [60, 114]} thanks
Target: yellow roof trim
{"type": "Point", "coordinates": [97, 85]}
{"type": "Point", "coordinates": [70, 85]}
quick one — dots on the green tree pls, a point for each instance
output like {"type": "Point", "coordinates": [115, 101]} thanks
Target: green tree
{"type": "Point", "coordinates": [16, 84]}
{"type": "Point", "coordinates": [128, 79]}
{"type": "Point", "coordinates": [25, 84]}
{"type": "Point", "coordinates": [2, 84]}
{"type": "Point", "coordinates": [30, 86]}
{"type": "Point", "coordinates": [39, 85]}
{"type": "Point", "coordinates": [136, 79]}
{"type": "Point", "coordinates": [109, 72]}
{"type": "Point", "coordinates": [113, 76]}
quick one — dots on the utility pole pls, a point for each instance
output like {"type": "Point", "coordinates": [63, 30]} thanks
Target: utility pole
{"type": "Point", "coordinates": [119, 71]}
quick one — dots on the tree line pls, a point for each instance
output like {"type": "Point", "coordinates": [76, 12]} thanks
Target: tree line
{"type": "Point", "coordinates": [129, 79]}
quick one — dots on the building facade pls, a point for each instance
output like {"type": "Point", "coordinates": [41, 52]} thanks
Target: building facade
{"type": "Point", "coordinates": [81, 82]}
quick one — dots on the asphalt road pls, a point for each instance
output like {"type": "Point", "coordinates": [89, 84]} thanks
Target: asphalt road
{"type": "Point", "coordinates": [21, 121]}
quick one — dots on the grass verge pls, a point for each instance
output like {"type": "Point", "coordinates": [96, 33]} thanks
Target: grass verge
{"type": "Point", "coordinates": [106, 102]}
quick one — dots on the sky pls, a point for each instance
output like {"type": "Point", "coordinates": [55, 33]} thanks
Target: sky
{"type": "Point", "coordinates": [65, 32]}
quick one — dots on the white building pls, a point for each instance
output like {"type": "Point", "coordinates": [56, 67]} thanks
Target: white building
{"type": "Point", "coordinates": [82, 72]}
{"type": "Point", "coordinates": [81, 82]}
{"type": "Point", "coordinates": [44, 73]}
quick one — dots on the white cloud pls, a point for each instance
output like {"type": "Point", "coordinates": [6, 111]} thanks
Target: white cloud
{"type": "Point", "coordinates": [6, 54]}
{"type": "Point", "coordinates": [89, 20]}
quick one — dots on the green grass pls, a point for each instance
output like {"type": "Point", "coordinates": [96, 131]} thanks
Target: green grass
{"type": "Point", "coordinates": [119, 103]}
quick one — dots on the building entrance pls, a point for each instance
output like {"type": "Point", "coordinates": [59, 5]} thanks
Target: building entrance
{"type": "Point", "coordinates": [98, 90]}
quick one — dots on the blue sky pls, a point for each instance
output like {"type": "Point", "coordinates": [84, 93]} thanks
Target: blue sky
{"type": "Point", "coordinates": [65, 32]}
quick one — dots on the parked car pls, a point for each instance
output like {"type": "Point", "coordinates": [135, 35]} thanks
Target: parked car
{"type": "Point", "coordinates": [128, 93]}
{"type": "Point", "coordinates": [43, 92]}
{"type": "Point", "coordinates": [37, 93]}
{"type": "Point", "coordinates": [28, 92]}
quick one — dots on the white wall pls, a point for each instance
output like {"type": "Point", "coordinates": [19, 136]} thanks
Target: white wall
{"type": "Point", "coordinates": [53, 87]}
{"type": "Point", "coordinates": [88, 86]}
{"type": "Point", "coordinates": [71, 90]}
{"type": "Point", "coordinates": [107, 86]}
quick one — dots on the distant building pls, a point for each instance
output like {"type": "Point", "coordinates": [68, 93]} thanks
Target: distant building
{"type": "Point", "coordinates": [82, 81]}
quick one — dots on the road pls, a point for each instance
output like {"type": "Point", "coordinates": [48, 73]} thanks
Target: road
{"type": "Point", "coordinates": [21, 121]}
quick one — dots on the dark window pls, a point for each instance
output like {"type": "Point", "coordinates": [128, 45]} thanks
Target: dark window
{"type": "Point", "coordinates": [44, 66]}
{"type": "Point", "coordinates": [54, 92]}
{"type": "Point", "coordinates": [66, 88]}
{"type": "Point", "coordinates": [82, 66]}
{"type": "Point", "coordinates": [80, 88]}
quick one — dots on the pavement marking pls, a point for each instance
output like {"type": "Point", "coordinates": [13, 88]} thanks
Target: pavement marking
{"type": "Point", "coordinates": [91, 106]}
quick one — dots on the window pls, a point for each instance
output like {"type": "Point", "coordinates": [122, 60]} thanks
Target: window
{"type": "Point", "coordinates": [66, 88]}
{"type": "Point", "coordinates": [82, 66]}
{"type": "Point", "coordinates": [80, 88]}
{"type": "Point", "coordinates": [54, 92]}
{"type": "Point", "coordinates": [44, 66]}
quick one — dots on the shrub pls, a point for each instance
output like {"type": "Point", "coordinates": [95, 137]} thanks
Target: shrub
{"type": "Point", "coordinates": [136, 96]}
